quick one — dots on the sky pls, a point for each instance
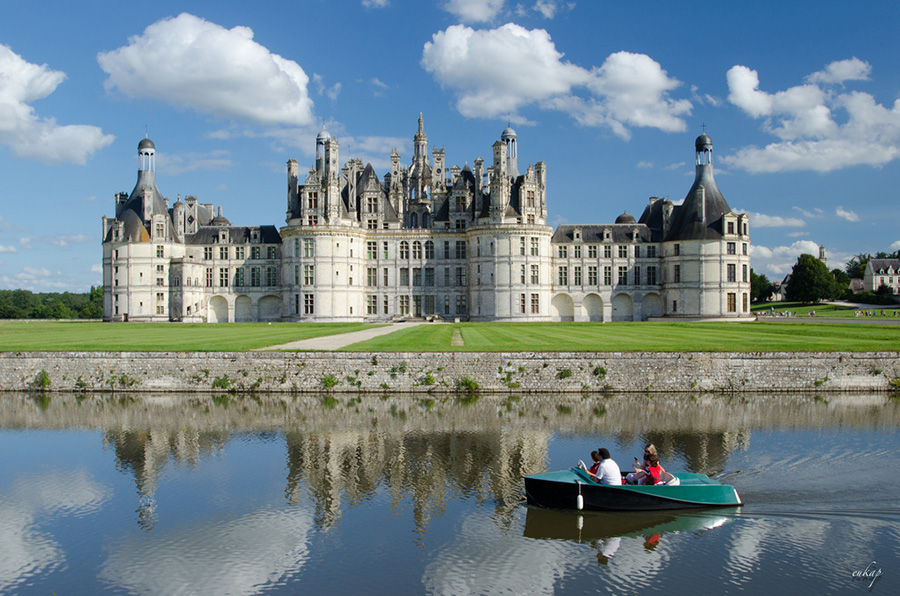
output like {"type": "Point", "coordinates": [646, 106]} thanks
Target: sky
{"type": "Point", "coordinates": [802, 101]}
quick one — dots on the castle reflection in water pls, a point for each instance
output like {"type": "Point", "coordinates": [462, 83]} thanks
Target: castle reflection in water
{"type": "Point", "coordinates": [424, 452]}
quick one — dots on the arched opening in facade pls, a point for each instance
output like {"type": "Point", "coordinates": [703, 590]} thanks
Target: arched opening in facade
{"type": "Point", "coordinates": [651, 306]}
{"type": "Point", "coordinates": [622, 308]}
{"type": "Point", "coordinates": [242, 311]}
{"type": "Point", "coordinates": [592, 308]}
{"type": "Point", "coordinates": [562, 308]}
{"type": "Point", "coordinates": [217, 312]}
{"type": "Point", "coordinates": [270, 308]}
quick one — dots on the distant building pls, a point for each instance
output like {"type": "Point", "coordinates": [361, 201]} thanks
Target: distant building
{"type": "Point", "coordinates": [468, 243]}
{"type": "Point", "coordinates": [882, 272]}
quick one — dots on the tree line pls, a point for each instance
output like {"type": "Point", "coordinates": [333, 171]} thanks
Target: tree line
{"type": "Point", "coordinates": [24, 304]}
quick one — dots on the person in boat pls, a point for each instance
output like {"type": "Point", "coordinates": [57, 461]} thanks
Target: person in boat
{"type": "Point", "coordinates": [650, 473]}
{"type": "Point", "coordinates": [608, 471]}
{"type": "Point", "coordinates": [639, 473]}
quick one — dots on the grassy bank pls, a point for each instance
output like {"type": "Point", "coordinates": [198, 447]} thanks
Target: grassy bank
{"type": "Point", "coordinates": [639, 337]}
{"type": "Point", "coordinates": [763, 336]}
{"type": "Point", "coordinates": [55, 336]}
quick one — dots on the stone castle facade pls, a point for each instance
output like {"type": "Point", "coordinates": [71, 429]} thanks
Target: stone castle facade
{"type": "Point", "coordinates": [426, 240]}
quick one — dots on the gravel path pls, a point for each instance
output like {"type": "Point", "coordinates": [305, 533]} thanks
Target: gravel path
{"type": "Point", "coordinates": [336, 342]}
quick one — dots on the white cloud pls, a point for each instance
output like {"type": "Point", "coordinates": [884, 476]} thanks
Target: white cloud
{"type": "Point", "coordinates": [26, 242]}
{"type": "Point", "coordinates": [781, 259]}
{"type": "Point", "coordinates": [547, 8]}
{"type": "Point", "coordinates": [375, 3]}
{"type": "Point", "coordinates": [498, 71]}
{"type": "Point", "coordinates": [761, 220]}
{"type": "Point", "coordinates": [65, 240]}
{"type": "Point", "coordinates": [172, 165]}
{"type": "Point", "coordinates": [805, 120]}
{"type": "Point", "coordinates": [895, 245]}
{"type": "Point", "coordinates": [192, 63]}
{"type": "Point", "coordinates": [846, 214]}
{"type": "Point", "coordinates": [798, 234]}
{"type": "Point", "coordinates": [474, 11]}
{"type": "Point", "coordinates": [816, 212]}
{"type": "Point", "coordinates": [24, 132]}
{"type": "Point", "coordinates": [96, 268]}
{"type": "Point", "coordinates": [7, 249]}
{"type": "Point", "coordinates": [837, 72]}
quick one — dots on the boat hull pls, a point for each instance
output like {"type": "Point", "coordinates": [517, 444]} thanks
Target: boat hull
{"type": "Point", "coordinates": [560, 490]}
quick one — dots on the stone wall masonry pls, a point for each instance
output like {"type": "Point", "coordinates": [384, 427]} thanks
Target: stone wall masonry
{"type": "Point", "coordinates": [519, 372]}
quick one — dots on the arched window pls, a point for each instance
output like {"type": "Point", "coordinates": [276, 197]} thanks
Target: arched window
{"type": "Point", "coordinates": [429, 249]}
{"type": "Point", "coordinates": [404, 249]}
{"type": "Point", "coordinates": [413, 220]}
{"type": "Point", "coordinates": [426, 220]}
{"type": "Point", "coordinates": [417, 250]}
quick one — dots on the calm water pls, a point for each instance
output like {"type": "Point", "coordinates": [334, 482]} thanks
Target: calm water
{"type": "Point", "coordinates": [400, 495]}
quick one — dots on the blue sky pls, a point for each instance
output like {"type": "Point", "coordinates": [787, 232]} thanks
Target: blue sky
{"type": "Point", "coordinates": [801, 100]}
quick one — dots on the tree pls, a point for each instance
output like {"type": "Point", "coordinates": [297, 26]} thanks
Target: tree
{"type": "Point", "coordinates": [841, 284]}
{"type": "Point", "coordinates": [856, 267]}
{"type": "Point", "coordinates": [761, 289]}
{"type": "Point", "coordinates": [811, 281]}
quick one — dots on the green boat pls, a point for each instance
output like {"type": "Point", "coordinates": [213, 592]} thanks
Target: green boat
{"type": "Point", "coordinates": [574, 489]}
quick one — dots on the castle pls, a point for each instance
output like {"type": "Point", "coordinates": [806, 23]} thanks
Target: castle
{"type": "Point", "coordinates": [464, 243]}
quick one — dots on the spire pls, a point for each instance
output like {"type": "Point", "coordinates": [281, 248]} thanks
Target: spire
{"type": "Point", "coordinates": [699, 217]}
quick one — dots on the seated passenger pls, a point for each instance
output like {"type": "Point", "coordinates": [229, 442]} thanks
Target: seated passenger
{"type": "Point", "coordinates": [652, 470]}
{"type": "Point", "coordinates": [608, 471]}
{"type": "Point", "coordinates": [638, 474]}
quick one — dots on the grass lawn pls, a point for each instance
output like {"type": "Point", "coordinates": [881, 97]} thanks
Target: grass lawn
{"type": "Point", "coordinates": [636, 337]}
{"type": "Point", "coordinates": [56, 336]}
{"type": "Point", "coordinates": [830, 311]}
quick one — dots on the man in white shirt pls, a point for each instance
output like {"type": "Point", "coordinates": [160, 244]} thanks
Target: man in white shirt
{"type": "Point", "coordinates": [609, 472]}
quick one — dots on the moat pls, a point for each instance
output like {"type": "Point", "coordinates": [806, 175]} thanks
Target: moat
{"type": "Point", "coordinates": [387, 494]}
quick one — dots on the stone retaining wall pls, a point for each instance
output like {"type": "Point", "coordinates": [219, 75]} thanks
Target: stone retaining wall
{"type": "Point", "coordinates": [519, 372]}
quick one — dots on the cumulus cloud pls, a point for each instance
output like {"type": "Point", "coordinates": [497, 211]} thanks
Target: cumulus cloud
{"type": "Point", "coordinates": [192, 63]}
{"type": "Point", "coordinates": [7, 249]}
{"type": "Point", "coordinates": [474, 11]}
{"type": "Point", "coordinates": [818, 127]}
{"type": "Point", "coordinates": [30, 136]}
{"type": "Point", "coordinates": [781, 259]}
{"type": "Point", "coordinates": [816, 212]}
{"type": "Point", "coordinates": [895, 245]}
{"type": "Point", "coordinates": [65, 240]}
{"type": "Point", "coordinates": [846, 214]}
{"type": "Point", "coordinates": [761, 220]}
{"type": "Point", "coordinates": [498, 71]}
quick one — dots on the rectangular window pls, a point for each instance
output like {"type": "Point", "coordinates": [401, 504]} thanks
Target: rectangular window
{"type": "Point", "coordinates": [371, 276]}
{"type": "Point", "coordinates": [730, 272]}
{"type": "Point", "coordinates": [371, 249]}
{"type": "Point", "coordinates": [563, 276]}
{"type": "Point", "coordinates": [744, 271]}
{"type": "Point", "coordinates": [592, 275]}
{"type": "Point", "coordinates": [623, 251]}
{"type": "Point", "coordinates": [745, 249]}
{"type": "Point", "coordinates": [417, 276]}
{"type": "Point", "coordinates": [535, 304]}
{"type": "Point", "coordinates": [271, 252]}
{"type": "Point", "coordinates": [637, 276]}
{"type": "Point", "coordinates": [676, 274]}
{"type": "Point", "coordinates": [309, 304]}
{"type": "Point", "coordinates": [732, 302]}
{"type": "Point", "coordinates": [372, 305]}
{"type": "Point", "coordinates": [677, 249]}
{"type": "Point", "coordinates": [309, 247]}
{"type": "Point", "coordinates": [731, 248]}
{"type": "Point", "coordinates": [607, 251]}
{"type": "Point", "coordinates": [404, 249]}
{"type": "Point", "coordinates": [160, 296]}
{"type": "Point", "coordinates": [239, 252]}
{"type": "Point", "coordinates": [461, 304]}
{"type": "Point", "coordinates": [254, 277]}
{"type": "Point", "coordinates": [607, 275]}
{"type": "Point", "coordinates": [271, 276]}
{"type": "Point", "coordinates": [223, 277]}
{"type": "Point", "coordinates": [160, 230]}
{"type": "Point", "coordinates": [592, 251]}
{"type": "Point", "coordinates": [385, 276]}
{"type": "Point", "coordinates": [404, 276]}
{"type": "Point", "coordinates": [223, 253]}
{"type": "Point", "coordinates": [522, 274]}
{"type": "Point", "coordinates": [563, 252]}
{"type": "Point", "coordinates": [417, 250]}
{"type": "Point", "coordinates": [161, 253]}
{"type": "Point", "coordinates": [429, 305]}
{"type": "Point", "coordinates": [447, 276]}
{"type": "Point", "coordinates": [535, 247]}
{"type": "Point", "coordinates": [522, 246]}
{"type": "Point", "coordinates": [404, 305]}
{"type": "Point", "coordinates": [535, 274]}
{"type": "Point", "coordinates": [746, 305]}
{"type": "Point", "coordinates": [651, 251]}
{"type": "Point", "coordinates": [460, 249]}
{"type": "Point", "coordinates": [522, 303]}
{"type": "Point", "coordinates": [429, 276]}
{"type": "Point", "coordinates": [447, 254]}
{"type": "Point", "coordinates": [651, 275]}
{"type": "Point", "coordinates": [429, 249]}
{"type": "Point", "coordinates": [297, 280]}
{"type": "Point", "coordinates": [255, 252]}
{"type": "Point", "coordinates": [238, 277]}
{"type": "Point", "coordinates": [461, 276]}
{"type": "Point", "coordinates": [576, 274]}
{"type": "Point", "coordinates": [637, 252]}
{"type": "Point", "coordinates": [312, 200]}
{"type": "Point", "coordinates": [623, 276]}
{"type": "Point", "coordinates": [731, 227]}
{"type": "Point", "coordinates": [372, 204]}
{"type": "Point", "coordinates": [309, 275]}
{"type": "Point", "coordinates": [209, 277]}
{"type": "Point", "coordinates": [577, 251]}
{"type": "Point", "coordinates": [207, 253]}
{"type": "Point", "coordinates": [384, 305]}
